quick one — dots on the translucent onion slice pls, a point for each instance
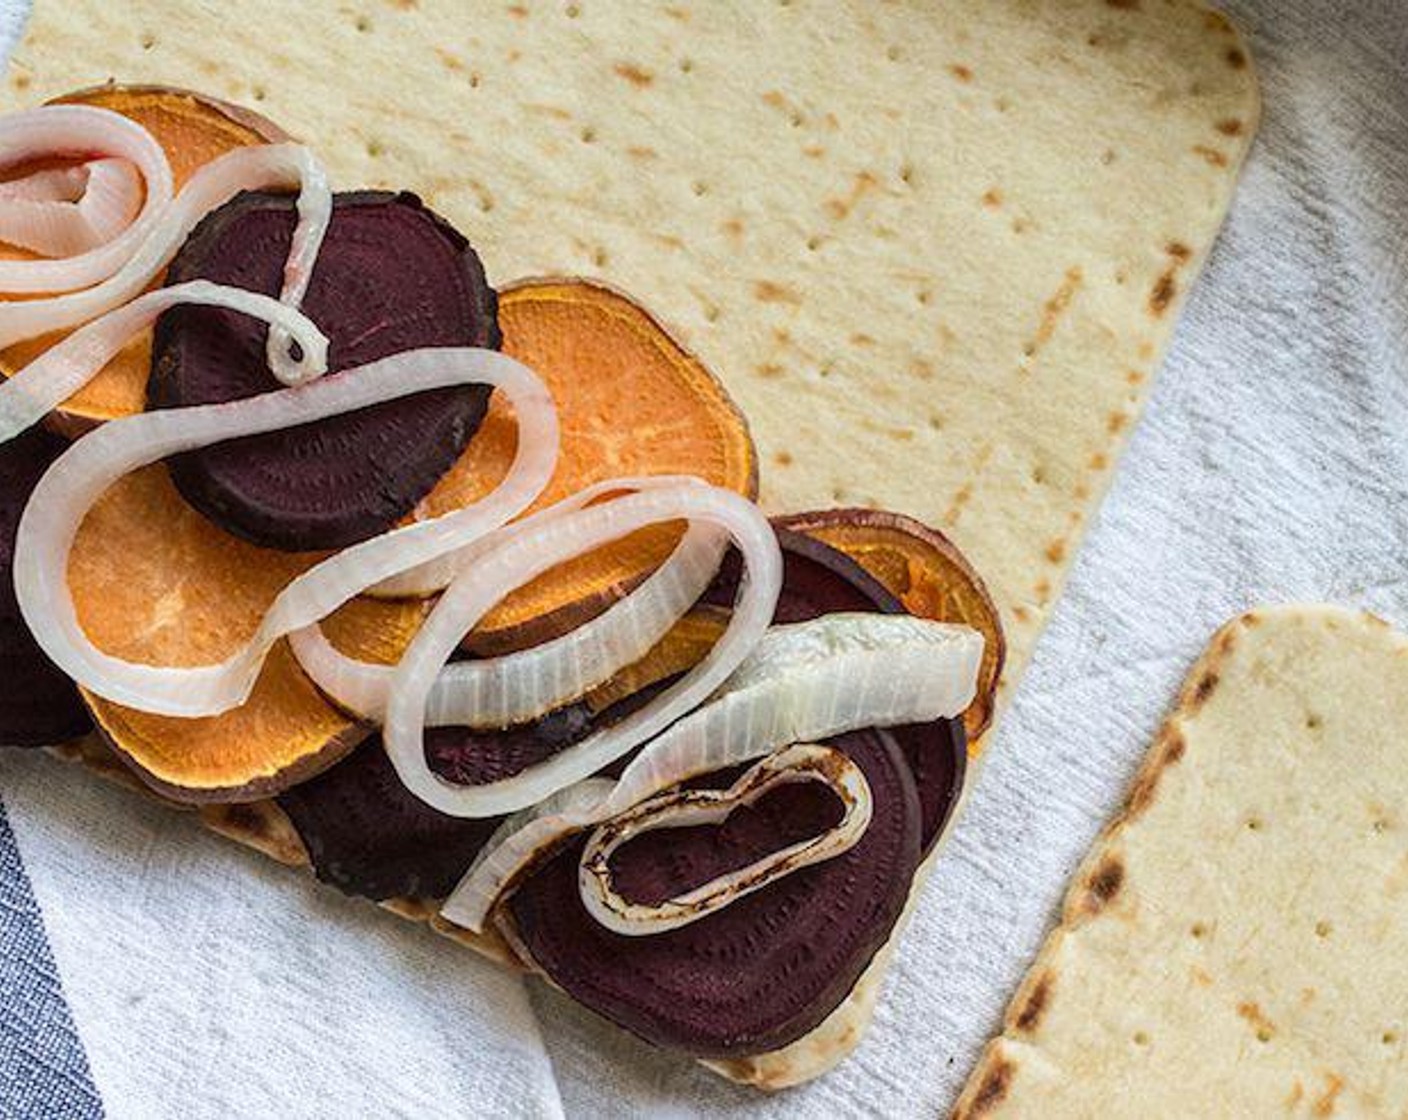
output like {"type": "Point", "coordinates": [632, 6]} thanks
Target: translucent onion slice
{"type": "Point", "coordinates": [804, 682]}
{"type": "Point", "coordinates": [79, 477]}
{"type": "Point", "coordinates": [523, 557]}
{"type": "Point", "coordinates": [265, 167]}
{"type": "Point", "coordinates": [517, 687]}
{"type": "Point", "coordinates": [693, 807]}
{"type": "Point", "coordinates": [68, 365]}
{"type": "Point", "coordinates": [63, 212]}
{"type": "Point", "coordinates": [82, 131]}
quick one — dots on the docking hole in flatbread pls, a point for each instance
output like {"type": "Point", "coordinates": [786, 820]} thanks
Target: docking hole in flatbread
{"type": "Point", "coordinates": [935, 251]}
{"type": "Point", "coordinates": [1236, 943]}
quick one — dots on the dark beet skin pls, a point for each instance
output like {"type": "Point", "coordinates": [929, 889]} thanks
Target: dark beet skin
{"type": "Point", "coordinates": [368, 836]}
{"type": "Point", "coordinates": [39, 705]}
{"type": "Point", "coordinates": [818, 580]}
{"type": "Point", "coordinates": [392, 276]}
{"type": "Point", "coordinates": [765, 970]}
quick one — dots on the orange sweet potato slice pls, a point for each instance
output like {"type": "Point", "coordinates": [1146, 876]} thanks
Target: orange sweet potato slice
{"type": "Point", "coordinates": [631, 401]}
{"type": "Point", "coordinates": [928, 574]}
{"type": "Point", "coordinates": [153, 581]}
{"type": "Point", "coordinates": [193, 129]}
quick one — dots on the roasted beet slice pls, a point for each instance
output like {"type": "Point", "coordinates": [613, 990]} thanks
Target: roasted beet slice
{"type": "Point", "coordinates": [819, 579]}
{"type": "Point", "coordinates": [39, 706]}
{"type": "Point", "coordinates": [367, 835]}
{"type": "Point", "coordinates": [391, 276]}
{"type": "Point", "coordinates": [766, 969]}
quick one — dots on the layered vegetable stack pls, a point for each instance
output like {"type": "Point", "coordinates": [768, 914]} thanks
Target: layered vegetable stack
{"type": "Point", "coordinates": [460, 595]}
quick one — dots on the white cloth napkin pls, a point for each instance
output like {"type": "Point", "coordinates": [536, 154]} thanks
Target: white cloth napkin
{"type": "Point", "coordinates": [1272, 465]}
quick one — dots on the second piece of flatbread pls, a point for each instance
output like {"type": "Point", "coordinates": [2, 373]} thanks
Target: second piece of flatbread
{"type": "Point", "coordinates": [1237, 942]}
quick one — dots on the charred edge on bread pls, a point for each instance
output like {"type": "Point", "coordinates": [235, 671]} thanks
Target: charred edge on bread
{"type": "Point", "coordinates": [992, 1090]}
{"type": "Point", "coordinates": [1141, 794]}
{"type": "Point", "coordinates": [1104, 884]}
{"type": "Point", "coordinates": [1035, 1005]}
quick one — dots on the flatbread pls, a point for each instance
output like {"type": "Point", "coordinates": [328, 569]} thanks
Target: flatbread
{"type": "Point", "coordinates": [1236, 943]}
{"type": "Point", "coordinates": [934, 249]}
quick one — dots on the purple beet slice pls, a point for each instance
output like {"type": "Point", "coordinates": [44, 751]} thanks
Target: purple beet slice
{"type": "Point", "coordinates": [760, 973]}
{"type": "Point", "coordinates": [368, 836]}
{"type": "Point", "coordinates": [818, 580]}
{"type": "Point", "coordinates": [39, 705]}
{"type": "Point", "coordinates": [392, 276]}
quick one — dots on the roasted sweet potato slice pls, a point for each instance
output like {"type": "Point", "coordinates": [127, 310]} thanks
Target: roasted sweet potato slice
{"type": "Point", "coordinates": [928, 574]}
{"type": "Point", "coordinates": [631, 401]}
{"type": "Point", "coordinates": [193, 129]}
{"type": "Point", "coordinates": [154, 581]}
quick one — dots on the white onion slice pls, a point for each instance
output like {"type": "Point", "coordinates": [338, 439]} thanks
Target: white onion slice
{"type": "Point", "coordinates": [269, 166]}
{"type": "Point", "coordinates": [79, 477]}
{"type": "Point", "coordinates": [495, 692]}
{"type": "Point", "coordinates": [73, 361]}
{"type": "Point", "coordinates": [527, 555]}
{"type": "Point", "coordinates": [63, 212]}
{"type": "Point", "coordinates": [686, 808]}
{"type": "Point", "coordinates": [805, 682]}
{"type": "Point", "coordinates": [80, 131]}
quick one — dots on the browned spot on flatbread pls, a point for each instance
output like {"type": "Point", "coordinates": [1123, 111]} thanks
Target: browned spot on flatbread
{"type": "Point", "coordinates": [669, 240]}
{"type": "Point", "coordinates": [1178, 249]}
{"type": "Point", "coordinates": [1134, 377]}
{"type": "Point", "coordinates": [1052, 310]}
{"type": "Point", "coordinates": [1237, 58]}
{"type": "Point", "coordinates": [1200, 976]}
{"type": "Point", "coordinates": [449, 59]}
{"type": "Point", "coordinates": [1211, 155]}
{"type": "Point", "coordinates": [1251, 1011]}
{"type": "Point", "coordinates": [404, 5]}
{"type": "Point", "coordinates": [1056, 550]}
{"type": "Point", "coordinates": [961, 72]}
{"type": "Point", "coordinates": [955, 507]}
{"type": "Point", "coordinates": [638, 76]}
{"type": "Point", "coordinates": [1021, 614]}
{"type": "Point", "coordinates": [767, 291]}
{"type": "Point", "coordinates": [1165, 288]}
{"type": "Point", "coordinates": [1325, 1102]}
{"type": "Point", "coordinates": [769, 370]}
{"type": "Point", "coordinates": [1206, 686]}
{"type": "Point", "coordinates": [20, 81]}
{"type": "Point", "coordinates": [1216, 21]}
{"type": "Point", "coordinates": [1115, 422]}
{"type": "Point", "coordinates": [1034, 1007]}
{"type": "Point", "coordinates": [637, 152]}
{"type": "Point", "coordinates": [860, 338]}
{"type": "Point", "coordinates": [840, 208]}
{"type": "Point", "coordinates": [1042, 589]}
{"type": "Point", "coordinates": [992, 1090]}
{"type": "Point", "coordinates": [783, 458]}
{"type": "Point", "coordinates": [992, 198]}
{"type": "Point", "coordinates": [1296, 1095]}
{"type": "Point", "coordinates": [813, 151]}
{"type": "Point", "coordinates": [1146, 785]}
{"type": "Point", "coordinates": [681, 14]}
{"type": "Point", "coordinates": [517, 11]}
{"type": "Point", "coordinates": [1104, 884]}
{"type": "Point", "coordinates": [1230, 127]}
{"type": "Point", "coordinates": [732, 226]}
{"type": "Point", "coordinates": [1099, 461]}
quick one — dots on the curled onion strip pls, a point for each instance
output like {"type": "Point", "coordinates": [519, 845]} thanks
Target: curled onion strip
{"type": "Point", "coordinates": [693, 807]}
{"type": "Point", "coordinates": [78, 478]}
{"type": "Point", "coordinates": [73, 361]}
{"type": "Point", "coordinates": [523, 557]}
{"type": "Point", "coordinates": [80, 131]}
{"type": "Point", "coordinates": [270, 166]}
{"type": "Point", "coordinates": [804, 682]}
{"type": "Point", "coordinates": [516, 687]}
{"type": "Point", "coordinates": [67, 211]}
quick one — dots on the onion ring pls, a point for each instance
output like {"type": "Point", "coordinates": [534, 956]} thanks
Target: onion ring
{"type": "Point", "coordinates": [268, 166]}
{"type": "Point", "coordinates": [78, 478]}
{"type": "Point", "coordinates": [691, 807]}
{"type": "Point", "coordinates": [64, 212]}
{"type": "Point", "coordinates": [523, 557]}
{"type": "Point", "coordinates": [50, 379]}
{"type": "Point", "coordinates": [492, 692]}
{"type": "Point", "coordinates": [81, 131]}
{"type": "Point", "coordinates": [804, 682]}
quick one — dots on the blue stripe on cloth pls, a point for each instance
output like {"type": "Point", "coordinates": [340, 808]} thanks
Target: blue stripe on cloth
{"type": "Point", "coordinates": [43, 1069]}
